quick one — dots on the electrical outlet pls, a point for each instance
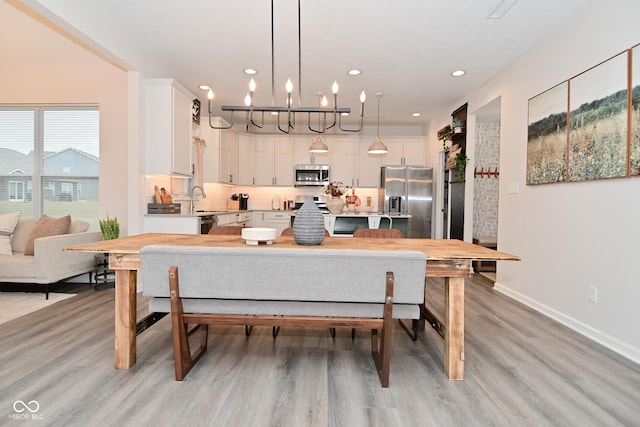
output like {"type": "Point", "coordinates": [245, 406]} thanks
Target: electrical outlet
{"type": "Point", "coordinates": [593, 294]}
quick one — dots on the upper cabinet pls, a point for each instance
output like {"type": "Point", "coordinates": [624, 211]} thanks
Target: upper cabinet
{"type": "Point", "coordinates": [405, 151]}
{"type": "Point", "coordinates": [301, 153]}
{"type": "Point", "coordinates": [274, 161]}
{"type": "Point", "coordinates": [246, 160]}
{"type": "Point", "coordinates": [228, 156]}
{"type": "Point", "coordinates": [167, 127]}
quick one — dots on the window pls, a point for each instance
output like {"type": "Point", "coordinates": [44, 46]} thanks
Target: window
{"type": "Point", "coordinates": [49, 161]}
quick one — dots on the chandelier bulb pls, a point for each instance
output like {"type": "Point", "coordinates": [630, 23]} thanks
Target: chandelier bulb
{"type": "Point", "coordinates": [289, 86]}
{"type": "Point", "coordinates": [363, 96]}
{"type": "Point", "coordinates": [324, 101]}
{"type": "Point", "coordinates": [210, 94]}
{"type": "Point", "coordinates": [247, 100]}
{"type": "Point", "coordinates": [334, 87]}
{"type": "Point", "coordinates": [252, 85]}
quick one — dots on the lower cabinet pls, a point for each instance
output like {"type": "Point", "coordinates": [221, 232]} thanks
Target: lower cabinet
{"type": "Point", "coordinates": [272, 219]}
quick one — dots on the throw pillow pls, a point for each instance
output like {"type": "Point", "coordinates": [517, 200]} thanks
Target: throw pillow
{"type": "Point", "coordinates": [47, 226]}
{"type": "Point", "coordinates": [7, 225]}
{"type": "Point", "coordinates": [21, 234]}
{"type": "Point", "coordinates": [78, 226]}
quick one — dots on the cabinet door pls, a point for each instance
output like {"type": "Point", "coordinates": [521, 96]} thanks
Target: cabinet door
{"type": "Point", "coordinates": [276, 220]}
{"type": "Point", "coordinates": [343, 160]}
{"type": "Point", "coordinates": [181, 149]}
{"type": "Point", "coordinates": [283, 162]}
{"type": "Point", "coordinates": [368, 166]}
{"type": "Point", "coordinates": [246, 160]}
{"type": "Point", "coordinates": [264, 160]}
{"type": "Point", "coordinates": [228, 156]}
{"type": "Point", "coordinates": [167, 127]}
{"type": "Point", "coordinates": [395, 154]}
{"type": "Point", "coordinates": [413, 151]}
{"type": "Point", "coordinates": [210, 153]}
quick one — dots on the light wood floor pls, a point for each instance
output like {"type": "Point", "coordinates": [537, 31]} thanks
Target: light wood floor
{"type": "Point", "coordinates": [522, 369]}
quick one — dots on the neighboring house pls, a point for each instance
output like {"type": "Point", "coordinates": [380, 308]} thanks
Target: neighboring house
{"type": "Point", "coordinates": [70, 174]}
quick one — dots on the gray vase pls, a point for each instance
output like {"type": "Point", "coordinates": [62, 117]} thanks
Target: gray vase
{"type": "Point", "coordinates": [308, 226]}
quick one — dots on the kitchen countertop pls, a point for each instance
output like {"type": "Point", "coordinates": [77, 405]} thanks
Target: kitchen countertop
{"type": "Point", "coordinates": [222, 212]}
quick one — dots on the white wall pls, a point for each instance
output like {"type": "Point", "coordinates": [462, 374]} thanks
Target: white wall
{"type": "Point", "coordinates": [44, 67]}
{"type": "Point", "coordinates": [574, 235]}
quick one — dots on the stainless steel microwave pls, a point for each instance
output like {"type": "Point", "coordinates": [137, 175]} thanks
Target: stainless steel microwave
{"type": "Point", "coordinates": [310, 175]}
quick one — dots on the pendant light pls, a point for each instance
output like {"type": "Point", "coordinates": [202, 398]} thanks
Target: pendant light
{"type": "Point", "coordinates": [318, 146]}
{"type": "Point", "coordinates": [378, 147]}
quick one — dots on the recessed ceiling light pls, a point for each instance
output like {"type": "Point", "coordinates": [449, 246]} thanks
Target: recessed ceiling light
{"type": "Point", "coordinates": [416, 114]}
{"type": "Point", "coordinates": [204, 87]}
{"type": "Point", "coordinates": [501, 9]}
{"type": "Point", "coordinates": [354, 72]}
{"type": "Point", "coordinates": [458, 73]}
{"type": "Point", "coordinates": [250, 71]}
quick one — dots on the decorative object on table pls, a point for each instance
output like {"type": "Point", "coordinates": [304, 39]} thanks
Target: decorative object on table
{"type": "Point", "coordinates": [336, 190]}
{"type": "Point", "coordinates": [308, 227]}
{"type": "Point", "coordinates": [156, 194]}
{"type": "Point", "coordinates": [255, 235]}
{"type": "Point", "coordinates": [110, 228]}
{"type": "Point", "coordinates": [353, 201]}
{"type": "Point", "coordinates": [165, 197]}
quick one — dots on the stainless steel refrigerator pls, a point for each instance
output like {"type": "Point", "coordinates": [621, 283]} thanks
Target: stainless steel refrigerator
{"type": "Point", "coordinates": [408, 190]}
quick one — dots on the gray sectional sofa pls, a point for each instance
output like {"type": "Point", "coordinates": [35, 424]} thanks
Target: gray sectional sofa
{"type": "Point", "coordinates": [49, 264]}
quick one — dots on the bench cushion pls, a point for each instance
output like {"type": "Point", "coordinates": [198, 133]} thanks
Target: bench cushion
{"type": "Point", "coordinates": [279, 274]}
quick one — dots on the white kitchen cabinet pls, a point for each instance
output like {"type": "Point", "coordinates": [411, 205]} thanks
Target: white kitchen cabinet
{"type": "Point", "coordinates": [278, 220]}
{"type": "Point", "coordinates": [404, 151]}
{"type": "Point", "coordinates": [176, 224]}
{"type": "Point", "coordinates": [368, 166]}
{"type": "Point", "coordinates": [228, 156]}
{"type": "Point", "coordinates": [343, 161]}
{"type": "Point", "coordinates": [210, 152]}
{"type": "Point", "coordinates": [301, 153]}
{"type": "Point", "coordinates": [246, 160]}
{"type": "Point", "coordinates": [167, 127]}
{"type": "Point", "coordinates": [274, 161]}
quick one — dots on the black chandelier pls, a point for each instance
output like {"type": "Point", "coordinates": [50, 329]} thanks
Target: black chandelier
{"type": "Point", "coordinates": [286, 115]}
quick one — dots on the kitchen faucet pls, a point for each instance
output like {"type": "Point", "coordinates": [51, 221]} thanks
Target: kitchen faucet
{"type": "Point", "coordinates": [204, 196]}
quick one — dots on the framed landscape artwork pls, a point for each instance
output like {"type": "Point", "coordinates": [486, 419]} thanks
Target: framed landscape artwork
{"type": "Point", "coordinates": [634, 168]}
{"type": "Point", "coordinates": [598, 121]}
{"type": "Point", "coordinates": [547, 136]}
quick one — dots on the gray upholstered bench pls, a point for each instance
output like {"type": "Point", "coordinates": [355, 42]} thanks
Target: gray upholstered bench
{"type": "Point", "coordinates": [282, 287]}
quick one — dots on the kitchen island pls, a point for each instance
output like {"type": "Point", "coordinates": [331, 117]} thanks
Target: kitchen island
{"type": "Point", "coordinates": [450, 259]}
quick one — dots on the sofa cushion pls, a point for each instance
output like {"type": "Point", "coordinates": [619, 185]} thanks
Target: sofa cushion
{"type": "Point", "coordinates": [78, 226]}
{"type": "Point", "coordinates": [21, 235]}
{"type": "Point", "coordinates": [8, 224]}
{"type": "Point", "coordinates": [47, 226]}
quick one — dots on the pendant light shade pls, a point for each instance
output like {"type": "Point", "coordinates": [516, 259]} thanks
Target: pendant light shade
{"type": "Point", "coordinates": [318, 146]}
{"type": "Point", "coordinates": [378, 147]}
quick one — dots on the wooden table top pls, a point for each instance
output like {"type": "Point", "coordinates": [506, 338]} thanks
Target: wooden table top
{"type": "Point", "coordinates": [434, 249]}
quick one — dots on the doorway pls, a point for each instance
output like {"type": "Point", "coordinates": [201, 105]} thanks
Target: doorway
{"type": "Point", "coordinates": [486, 181]}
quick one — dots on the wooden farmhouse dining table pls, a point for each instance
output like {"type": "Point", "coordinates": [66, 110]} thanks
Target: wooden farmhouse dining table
{"type": "Point", "coordinates": [450, 259]}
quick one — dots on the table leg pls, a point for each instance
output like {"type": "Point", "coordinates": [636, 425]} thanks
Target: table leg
{"type": "Point", "coordinates": [125, 320]}
{"type": "Point", "coordinates": [454, 331]}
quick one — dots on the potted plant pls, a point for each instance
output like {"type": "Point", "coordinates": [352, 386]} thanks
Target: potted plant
{"type": "Point", "coordinates": [460, 164]}
{"type": "Point", "coordinates": [110, 228]}
{"type": "Point", "coordinates": [444, 135]}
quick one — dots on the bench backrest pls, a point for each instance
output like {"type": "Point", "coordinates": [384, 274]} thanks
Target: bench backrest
{"type": "Point", "coordinates": [278, 274]}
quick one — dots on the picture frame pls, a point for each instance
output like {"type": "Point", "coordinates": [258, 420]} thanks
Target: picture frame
{"type": "Point", "coordinates": [634, 119]}
{"type": "Point", "coordinates": [195, 111]}
{"type": "Point", "coordinates": [598, 121]}
{"type": "Point", "coordinates": [547, 136]}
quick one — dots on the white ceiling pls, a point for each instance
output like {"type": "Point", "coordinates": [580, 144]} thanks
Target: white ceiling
{"type": "Point", "coordinates": [406, 49]}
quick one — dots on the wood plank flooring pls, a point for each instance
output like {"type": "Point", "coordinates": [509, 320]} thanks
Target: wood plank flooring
{"type": "Point", "coordinates": [522, 369]}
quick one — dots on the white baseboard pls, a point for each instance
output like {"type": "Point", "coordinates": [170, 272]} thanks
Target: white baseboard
{"type": "Point", "coordinates": [601, 338]}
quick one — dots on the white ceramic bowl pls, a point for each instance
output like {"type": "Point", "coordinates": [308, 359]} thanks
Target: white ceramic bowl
{"type": "Point", "coordinates": [255, 235]}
